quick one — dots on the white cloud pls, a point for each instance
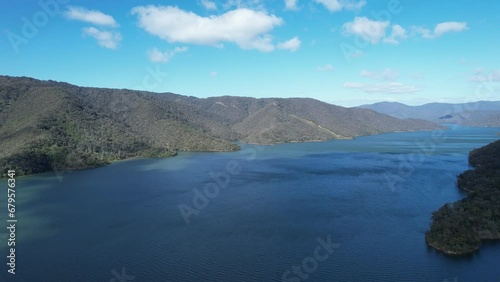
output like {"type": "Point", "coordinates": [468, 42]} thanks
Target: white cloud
{"type": "Point", "coordinates": [398, 33]}
{"type": "Point", "coordinates": [209, 5]}
{"type": "Point", "coordinates": [292, 44]}
{"type": "Point", "coordinates": [385, 88]}
{"type": "Point", "coordinates": [372, 31]}
{"type": "Point", "coordinates": [247, 28]}
{"type": "Point", "coordinates": [156, 55]}
{"type": "Point", "coordinates": [291, 4]}
{"type": "Point", "coordinates": [325, 68]}
{"type": "Point", "coordinates": [446, 27]}
{"type": "Point", "coordinates": [108, 39]}
{"type": "Point", "coordinates": [338, 5]}
{"type": "Point", "coordinates": [213, 73]}
{"type": "Point", "coordinates": [90, 16]}
{"type": "Point", "coordinates": [440, 29]}
{"type": "Point", "coordinates": [387, 74]}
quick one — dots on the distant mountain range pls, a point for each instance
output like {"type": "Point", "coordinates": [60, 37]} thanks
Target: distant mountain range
{"type": "Point", "coordinates": [483, 113]}
{"type": "Point", "coordinates": [48, 125]}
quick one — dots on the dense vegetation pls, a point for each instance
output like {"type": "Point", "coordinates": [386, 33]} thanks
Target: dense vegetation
{"type": "Point", "coordinates": [48, 125]}
{"type": "Point", "coordinates": [460, 227]}
{"type": "Point", "coordinates": [52, 126]}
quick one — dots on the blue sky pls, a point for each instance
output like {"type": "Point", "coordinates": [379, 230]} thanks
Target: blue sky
{"type": "Point", "coordinates": [345, 52]}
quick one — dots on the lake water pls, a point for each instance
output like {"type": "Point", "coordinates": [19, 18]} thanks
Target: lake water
{"type": "Point", "coordinates": [371, 197]}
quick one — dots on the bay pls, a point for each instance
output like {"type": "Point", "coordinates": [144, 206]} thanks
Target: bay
{"type": "Point", "coordinates": [372, 197]}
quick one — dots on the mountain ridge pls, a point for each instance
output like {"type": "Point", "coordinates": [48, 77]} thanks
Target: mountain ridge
{"type": "Point", "coordinates": [48, 125]}
{"type": "Point", "coordinates": [480, 113]}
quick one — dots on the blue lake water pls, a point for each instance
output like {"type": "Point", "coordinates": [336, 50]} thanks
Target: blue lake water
{"type": "Point", "coordinates": [371, 197]}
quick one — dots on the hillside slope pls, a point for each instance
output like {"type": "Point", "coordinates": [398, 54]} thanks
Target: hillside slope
{"type": "Point", "coordinates": [52, 126]}
{"type": "Point", "coordinates": [47, 125]}
{"type": "Point", "coordinates": [277, 120]}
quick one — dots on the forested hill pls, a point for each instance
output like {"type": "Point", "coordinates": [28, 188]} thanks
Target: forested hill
{"type": "Point", "coordinates": [460, 227]}
{"type": "Point", "coordinates": [47, 125]}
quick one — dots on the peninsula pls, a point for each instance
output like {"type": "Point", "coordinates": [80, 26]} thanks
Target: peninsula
{"type": "Point", "coordinates": [460, 227]}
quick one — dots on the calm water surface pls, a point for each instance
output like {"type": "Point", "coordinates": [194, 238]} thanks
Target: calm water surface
{"type": "Point", "coordinates": [372, 196]}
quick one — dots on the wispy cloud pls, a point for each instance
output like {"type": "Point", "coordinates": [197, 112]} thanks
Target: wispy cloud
{"type": "Point", "coordinates": [386, 74]}
{"type": "Point", "coordinates": [352, 4]}
{"type": "Point", "coordinates": [292, 44]}
{"type": "Point", "coordinates": [357, 54]}
{"type": "Point", "coordinates": [107, 39]}
{"type": "Point", "coordinates": [244, 4]}
{"type": "Point", "coordinates": [446, 27]}
{"type": "Point", "coordinates": [338, 5]}
{"type": "Point", "coordinates": [209, 5]}
{"type": "Point", "coordinates": [291, 4]}
{"type": "Point", "coordinates": [374, 31]}
{"type": "Point", "coordinates": [90, 16]}
{"type": "Point", "coordinates": [325, 68]}
{"type": "Point", "coordinates": [384, 88]}
{"type": "Point", "coordinates": [158, 56]}
{"type": "Point", "coordinates": [424, 32]}
{"type": "Point", "coordinates": [440, 29]}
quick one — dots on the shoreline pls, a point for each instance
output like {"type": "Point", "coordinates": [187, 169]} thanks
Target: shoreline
{"type": "Point", "coordinates": [239, 149]}
{"type": "Point", "coordinates": [448, 252]}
